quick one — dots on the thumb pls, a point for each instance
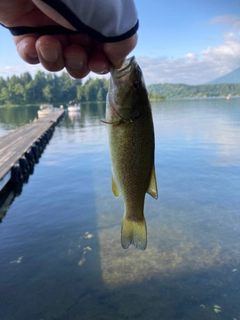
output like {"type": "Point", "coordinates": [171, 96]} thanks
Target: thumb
{"type": "Point", "coordinates": [116, 52]}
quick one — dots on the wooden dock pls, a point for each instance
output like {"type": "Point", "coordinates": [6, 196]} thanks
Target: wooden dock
{"type": "Point", "coordinates": [23, 144]}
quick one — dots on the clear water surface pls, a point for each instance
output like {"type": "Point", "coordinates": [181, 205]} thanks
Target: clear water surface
{"type": "Point", "coordinates": [60, 251]}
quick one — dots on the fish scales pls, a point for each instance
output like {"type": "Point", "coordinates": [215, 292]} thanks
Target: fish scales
{"type": "Point", "coordinates": [131, 138]}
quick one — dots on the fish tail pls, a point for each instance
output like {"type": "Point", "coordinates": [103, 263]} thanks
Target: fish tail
{"type": "Point", "coordinates": [134, 232]}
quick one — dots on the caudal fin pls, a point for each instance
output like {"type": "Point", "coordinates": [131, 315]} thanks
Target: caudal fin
{"type": "Point", "coordinates": [134, 232]}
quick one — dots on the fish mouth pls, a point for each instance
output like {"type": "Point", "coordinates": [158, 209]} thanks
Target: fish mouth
{"type": "Point", "coordinates": [118, 78]}
{"type": "Point", "coordinates": [121, 74]}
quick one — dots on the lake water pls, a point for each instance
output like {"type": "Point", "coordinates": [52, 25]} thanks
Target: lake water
{"type": "Point", "coordinates": [60, 251]}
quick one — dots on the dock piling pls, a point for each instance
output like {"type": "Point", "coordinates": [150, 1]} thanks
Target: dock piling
{"type": "Point", "coordinates": [20, 149]}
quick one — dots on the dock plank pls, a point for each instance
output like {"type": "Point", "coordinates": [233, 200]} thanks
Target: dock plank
{"type": "Point", "coordinates": [16, 143]}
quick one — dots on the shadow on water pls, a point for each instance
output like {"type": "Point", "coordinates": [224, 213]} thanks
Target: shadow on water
{"type": "Point", "coordinates": [14, 189]}
{"type": "Point", "coordinates": [67, 263]}
{"type": "Point", "coordinates": [87, 275]}
{"type": "Point", "coordinates": [54, 270]}
{"type": "Point", "coordinates": [7, 196]}
{"type": "Point", "coordinates": [46, 265]}
{"type": "Point", "coordinates": [11, 191]}
{"type": "Point", "coordinates": [26, 163]}
{"type": "Point", "coordinates": [191, 295]}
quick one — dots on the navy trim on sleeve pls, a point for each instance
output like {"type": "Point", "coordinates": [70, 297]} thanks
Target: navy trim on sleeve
{"type": "Point", "coordinates": [70, 16]}
{"type": "Point", "coordinates": [44, 30]}
{"type": "Point", "coordinates": [64, 11]}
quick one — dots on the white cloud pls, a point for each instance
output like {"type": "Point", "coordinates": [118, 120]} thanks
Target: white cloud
{"type": "Point", "coordinates": [191, 69]}
{"type": "Point", "coordinates": [19, 69]}
{"type": "Point", "coordinates": [210, 63]}
{"type": "Point", "coordinates": [231, 19]}
{"type": "Point", "coordinates": [228, 53]}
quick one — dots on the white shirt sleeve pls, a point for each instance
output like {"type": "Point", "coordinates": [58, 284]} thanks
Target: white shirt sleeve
{"type": "Point", "coordinates": [104, 20]}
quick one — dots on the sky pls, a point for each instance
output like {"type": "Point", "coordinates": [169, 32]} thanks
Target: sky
{"type": "Point", "coordinates": [179, 41]}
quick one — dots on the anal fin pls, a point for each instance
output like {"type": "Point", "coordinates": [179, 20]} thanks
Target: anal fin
{"type": "Point", "coordinates": [115, 189]}
{"type": "Point", "coordinates": [152, 189]}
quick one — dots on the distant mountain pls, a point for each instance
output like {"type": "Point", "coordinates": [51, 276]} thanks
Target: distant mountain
{"type": "Point", "coordinates": [231, 77]}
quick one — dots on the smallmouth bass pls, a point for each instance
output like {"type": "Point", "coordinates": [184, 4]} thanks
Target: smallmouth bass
{"type": "Point", "coordinates": [131, 138]}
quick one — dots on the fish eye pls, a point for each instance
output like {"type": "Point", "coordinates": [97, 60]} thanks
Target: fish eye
{"type": "Point", "coordinates": [136, 85]}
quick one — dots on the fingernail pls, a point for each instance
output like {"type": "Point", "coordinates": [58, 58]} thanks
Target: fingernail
{"type": "Point", "coordinates": [32, 55]}
{"type": "Point", "coordinates": [49, 54]}
{"type": "Point", "coordinates": [74, 63]}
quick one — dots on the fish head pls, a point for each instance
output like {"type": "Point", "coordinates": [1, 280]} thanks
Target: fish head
{"type": "Point", "coordinates": [127, 95]}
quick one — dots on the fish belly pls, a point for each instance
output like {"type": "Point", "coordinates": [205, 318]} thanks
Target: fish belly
{"type": "Point", "coordinates": [132, 155]}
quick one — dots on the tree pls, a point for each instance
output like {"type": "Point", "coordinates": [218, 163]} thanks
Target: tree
{"type": "Point", "coordinates": [81, 93]}
{"type": "Point", "coordinates": [47, 93]}
{"type": "Point", "coordinates": [49, 87]}
{"type": "Point", "coordinates": [25, 78]}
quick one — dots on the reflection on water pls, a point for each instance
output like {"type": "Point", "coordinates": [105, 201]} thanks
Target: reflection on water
{"type": "Point", "coordinates": [61, 256]}
{"type": "Point", "coordinates": [13, 117]}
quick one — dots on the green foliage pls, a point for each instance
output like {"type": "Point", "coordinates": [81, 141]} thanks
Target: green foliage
{"type": "Point", "coordinates": [95, 90]}
{"type": "Point", "coordinates": [154, 96]}
{"type": "Point", "coordinates": [186, 91]}
{"type": "Point", "coordinates": [48, 87]}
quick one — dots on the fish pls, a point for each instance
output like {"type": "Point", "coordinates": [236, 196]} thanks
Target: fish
{"type": "Point", "coordinates": [131, 140]}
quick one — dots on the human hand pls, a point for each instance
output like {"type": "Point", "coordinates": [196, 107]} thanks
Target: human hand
{"type": "Point", "coordinates": [78, 53]}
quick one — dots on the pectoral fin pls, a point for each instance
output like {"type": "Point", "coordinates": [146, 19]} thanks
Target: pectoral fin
{"type": "Point", "coordinates": [152, 189]}
{"type": "Point", "coordinates": [115, 189]}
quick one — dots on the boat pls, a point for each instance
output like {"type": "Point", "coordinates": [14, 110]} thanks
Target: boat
{"type": "Point", "coordinates": [45, 109]}
{"type": "Point", "coordinates": [73, 106]}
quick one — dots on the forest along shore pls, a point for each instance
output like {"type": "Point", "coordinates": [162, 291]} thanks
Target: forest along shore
{"type": "Point", "coordinates": [51, 88]}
